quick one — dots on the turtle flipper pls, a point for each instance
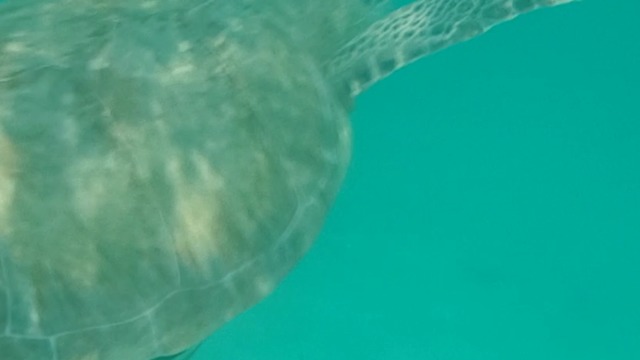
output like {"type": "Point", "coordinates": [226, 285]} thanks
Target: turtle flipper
{"type": "Point", "coordinates": [183, 355]}
{"type": "Point", "coordinates": [417, 30]}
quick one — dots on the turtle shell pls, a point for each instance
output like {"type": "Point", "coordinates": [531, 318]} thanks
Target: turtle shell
{"type": "Point", "coordinates": [162, 166]}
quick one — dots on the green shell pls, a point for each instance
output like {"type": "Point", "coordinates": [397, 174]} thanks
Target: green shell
{"type": "Point", "coordinates": [164, 163]}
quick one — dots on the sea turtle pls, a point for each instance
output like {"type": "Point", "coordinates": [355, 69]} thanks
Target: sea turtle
{"type": "Point", "coordinates": [164, 163]}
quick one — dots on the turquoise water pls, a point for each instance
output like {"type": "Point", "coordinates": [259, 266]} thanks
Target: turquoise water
{"type": "Point", "coordinates": [492, 209]}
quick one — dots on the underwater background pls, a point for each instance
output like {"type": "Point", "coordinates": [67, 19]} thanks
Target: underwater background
{"type": "Point", "coordinates": [491, 210]}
